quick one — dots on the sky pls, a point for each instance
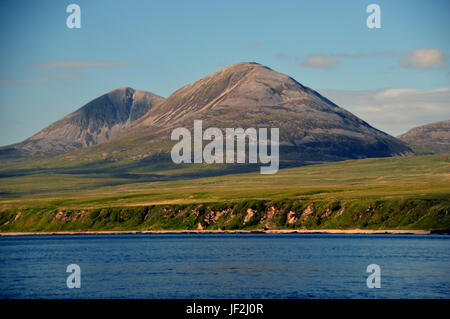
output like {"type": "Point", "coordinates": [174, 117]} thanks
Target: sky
{"type": "Point", "coordinates": [395, 77]}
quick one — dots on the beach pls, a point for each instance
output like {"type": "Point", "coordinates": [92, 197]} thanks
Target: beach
{"type": "Point", "coordinates": [269, 231]}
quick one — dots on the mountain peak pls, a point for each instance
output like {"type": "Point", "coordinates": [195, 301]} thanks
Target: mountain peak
{"type": "Point", "coordinates": [244, 85]}
{"type": "Point", "coordinates": [122, 90]}
{"type": "Point", "coordinates": [434, 137]}
{"type": "Point", "coordinates": [249, 94]}
{"type": "Point", "coordinates": [94, 123]}
{"type": "Point", "coordinates": [240, 66]}
{"type": "Point", "coordinates": [245, 94]}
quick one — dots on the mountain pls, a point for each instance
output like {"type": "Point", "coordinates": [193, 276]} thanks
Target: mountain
{"type": "Point", "coordinates": [312, 128]}
{"type": "Point", "coordinates": [94, 123]}
{"type": "Point", "coordinates": [433, 137]}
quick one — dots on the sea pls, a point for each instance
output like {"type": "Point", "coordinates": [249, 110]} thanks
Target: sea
{"type": "Point", "coordinates": [225, 266]}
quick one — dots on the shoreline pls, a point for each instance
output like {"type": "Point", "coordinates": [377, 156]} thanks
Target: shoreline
{"type": "Point", "coordinates": [270, 231]}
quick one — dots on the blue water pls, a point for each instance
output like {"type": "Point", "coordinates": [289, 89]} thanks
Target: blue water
{"type": "Point", "coordinates": [225, 266]}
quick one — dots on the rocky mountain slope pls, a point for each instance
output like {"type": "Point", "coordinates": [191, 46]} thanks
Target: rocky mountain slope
{"type": "Point", "coordinates": [434, 137]}
{"type": "Point", "coordinates": [312, 128]}
{"type": "Point", "coordinates": [94, 123]}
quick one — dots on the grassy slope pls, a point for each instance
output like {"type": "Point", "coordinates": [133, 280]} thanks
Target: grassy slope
{"type": "Point", "coordinates": [408, 192]}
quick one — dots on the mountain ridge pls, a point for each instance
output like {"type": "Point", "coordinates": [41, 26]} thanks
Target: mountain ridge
{"type": "Point", "coordinates": [433, 137]}
{"type": "Point", "coordinates": [96, 122]}
{"type": "Point", "coordinates": [248, 94]}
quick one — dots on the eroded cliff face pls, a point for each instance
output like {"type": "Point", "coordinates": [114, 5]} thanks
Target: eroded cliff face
{"type": "Point", "coordinates": [247, 215]}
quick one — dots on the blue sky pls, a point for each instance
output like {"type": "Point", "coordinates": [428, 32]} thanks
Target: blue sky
{"type": "Point", "coordinates": [379, 74]}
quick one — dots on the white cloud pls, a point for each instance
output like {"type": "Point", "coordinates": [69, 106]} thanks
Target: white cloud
{"type": "Point", "coordinates": [423, 59]}
{"type": "Point", "coordinates": [395, 110]}
{"type": "Point", "coordinates": [320, 62]}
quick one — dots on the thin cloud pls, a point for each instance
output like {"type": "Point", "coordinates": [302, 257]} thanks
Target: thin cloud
{"type": "Point", "coordinates": [328, 61]}
{"type": "Point", "coordinates": [63, 75]}
{"type": "Point", "coordinates": [362, 55]}
{"type": "Point", "coordinates": [11, 81]}
{"type": "Point", "coordinates": [79, 64]}
{"type": "Point", "coordinates": [422, 59]}
{"type": "Point", "coordinates": [395, 110]}
{"type": "Point", "coordinates": [255, 45]}
{"type": "Point", "coordinates": [280, 56]}
{"type": "Point", "coordinates": [47, 78]}
{"type": "Point", "coordinates": [320, 62]}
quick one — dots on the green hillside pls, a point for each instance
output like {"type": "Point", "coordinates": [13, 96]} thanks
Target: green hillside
{"type": "Point", "coordinates": [398, 192]}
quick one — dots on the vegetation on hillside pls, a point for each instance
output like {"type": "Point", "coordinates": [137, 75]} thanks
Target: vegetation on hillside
{"type": "Point", "coordinates": [400, 192]}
